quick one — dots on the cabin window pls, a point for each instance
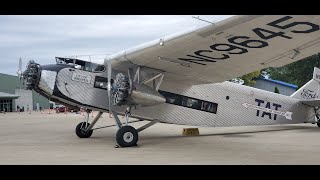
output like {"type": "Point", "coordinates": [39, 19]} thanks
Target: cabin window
{"type": "Point", "coordinates": [209, 107]}
{"type": "Point", "coordinates": [172, 98]}
{"type": "Point", "coordinates": [101, 82]}
{"type": "Point", "coordinates": [189, 102]}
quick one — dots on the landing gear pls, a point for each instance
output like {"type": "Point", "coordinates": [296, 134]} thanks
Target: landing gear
{"type": "Point", "coordinates": [84, 129]}
{"type": "Point", "coordinates": [127, 136]}
{"type": "Point", "coordinates": [317, 116]}
{"type": "Point", "coordinates": [318, 120]}
{"type": "Point", "coordinates": [80, 130]}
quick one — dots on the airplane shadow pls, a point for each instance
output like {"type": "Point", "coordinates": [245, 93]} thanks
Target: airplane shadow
{"type": "Point", "coordinates": [243, 134]}
{"type": "Point", "coordinates": [238, 133]}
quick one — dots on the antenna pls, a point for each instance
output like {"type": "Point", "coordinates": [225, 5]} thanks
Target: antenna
{"type": "Point", "coordinates": [202, 20]}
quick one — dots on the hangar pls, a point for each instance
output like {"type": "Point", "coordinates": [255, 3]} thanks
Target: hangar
{"type": "Point", "coordinates": [6, 101]}
{"type": "Point", "coordinates": [12, 94]}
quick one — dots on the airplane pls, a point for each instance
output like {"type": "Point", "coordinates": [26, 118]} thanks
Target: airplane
{"type": "Point", "coordinates": [183, 78]}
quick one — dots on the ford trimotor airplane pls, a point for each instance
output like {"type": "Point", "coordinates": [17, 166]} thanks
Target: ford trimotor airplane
{"type": "Point", "coordinates": [182, 79]}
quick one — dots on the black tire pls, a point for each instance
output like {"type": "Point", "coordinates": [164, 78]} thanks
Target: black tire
{"type": "Point", "coordinates": [81, 133]}
{"type": "Point", "coordinates": [318, 124]}
{"type": "Point", "coordinates": [127, 136]}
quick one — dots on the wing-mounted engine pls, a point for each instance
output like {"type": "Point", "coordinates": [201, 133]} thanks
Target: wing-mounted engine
{"type": "Point", "coordinates": [120, 90]}
{"type": "Point", "coordinates": [133, 92]}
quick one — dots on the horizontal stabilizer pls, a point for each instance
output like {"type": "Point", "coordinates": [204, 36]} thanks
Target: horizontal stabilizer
{"type": "Point", "coordinates": [314, 102]}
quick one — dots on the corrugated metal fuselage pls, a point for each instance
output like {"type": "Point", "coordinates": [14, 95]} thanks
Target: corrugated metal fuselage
{"type": "Point", "coordinates": [238, 105]}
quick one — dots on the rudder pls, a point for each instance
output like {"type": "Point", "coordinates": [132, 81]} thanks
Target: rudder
{"type": "Point", "coordinates": [311, 89]}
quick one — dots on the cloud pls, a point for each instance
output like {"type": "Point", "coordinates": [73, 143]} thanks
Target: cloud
{"type": "Point", "coordinates": [44, 37]}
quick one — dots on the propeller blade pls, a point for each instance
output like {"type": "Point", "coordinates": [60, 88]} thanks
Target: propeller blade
{"type": "Point", "coordinates": [19, 72]}
{"type": "Point", "coordinates": [20, 64]}
{"type": "Point", "coordinates": [137, 76]}
{"type": "Point", "coordinates": [109, 84]}
{"type": "Point", "coordinates": [130, 80]}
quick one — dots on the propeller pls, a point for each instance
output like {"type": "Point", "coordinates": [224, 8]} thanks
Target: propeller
{"type": "Point", "coordinates": [19, 72]}
{"type": "Point", "coordinates": [130, 80]}
{"type": "Point", "coordinates": [113, 97]}
{"type": "Point", "coordinates": [109, 84]}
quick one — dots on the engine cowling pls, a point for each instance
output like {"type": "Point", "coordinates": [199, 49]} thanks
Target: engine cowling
{"type": "Point", "coordinates": [140, 94]}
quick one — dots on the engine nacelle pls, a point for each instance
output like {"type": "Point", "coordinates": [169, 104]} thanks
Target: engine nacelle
{"type": "Point", "coordinates": [146, 96]}
{"type": "Point", "coordinates": [126, 93]}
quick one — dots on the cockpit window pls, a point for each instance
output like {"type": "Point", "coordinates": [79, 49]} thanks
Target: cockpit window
{"type": "Point", "coordinates": [97, 67]}
{"type": "Point", "coordinates": [81, 64]}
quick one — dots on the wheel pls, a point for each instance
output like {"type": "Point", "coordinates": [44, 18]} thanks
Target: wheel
{"type": "Point", "coordinates": [318, 124]}
{"type": "Point", "coordinates": [81, 133]}
{"type": "Point", "coordinates": [127, 136]}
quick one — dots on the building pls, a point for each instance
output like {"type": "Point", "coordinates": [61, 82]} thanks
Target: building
{"type": "Point", "coordinates": [270, 85]}
{"type": "Point", "coordinates": [6, 101]}
{"type": "Point", "coordinates": [12, 93]}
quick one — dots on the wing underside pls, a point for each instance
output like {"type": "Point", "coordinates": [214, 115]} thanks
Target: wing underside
{"type": "Point", "coordinates": [227, 49]}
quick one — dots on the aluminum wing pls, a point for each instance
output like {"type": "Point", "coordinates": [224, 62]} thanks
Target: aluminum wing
{"type": "Point", "coordinates": [227, 49]}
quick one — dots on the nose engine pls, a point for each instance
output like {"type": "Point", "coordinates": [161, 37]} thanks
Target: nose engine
{"type": "Point", "coordinates": [31, 75]}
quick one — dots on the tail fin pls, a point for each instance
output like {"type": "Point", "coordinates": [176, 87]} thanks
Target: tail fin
{"type": "Point", "coordinates": [310, 90]}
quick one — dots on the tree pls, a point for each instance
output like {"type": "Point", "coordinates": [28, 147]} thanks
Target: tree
{"type": "Point", "coordinates": [250, 79]}
{"type": "Point", "coordinates": [297, 73]}
{"type": "Point", "coordinates": [276, 90]}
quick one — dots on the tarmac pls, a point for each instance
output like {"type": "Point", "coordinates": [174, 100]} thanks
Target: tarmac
{"type": "Point", "coordinates": [42, 138]}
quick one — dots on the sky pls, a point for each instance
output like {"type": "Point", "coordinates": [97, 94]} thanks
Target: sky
{"type": "Point", "coordinates": [42, 38]}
